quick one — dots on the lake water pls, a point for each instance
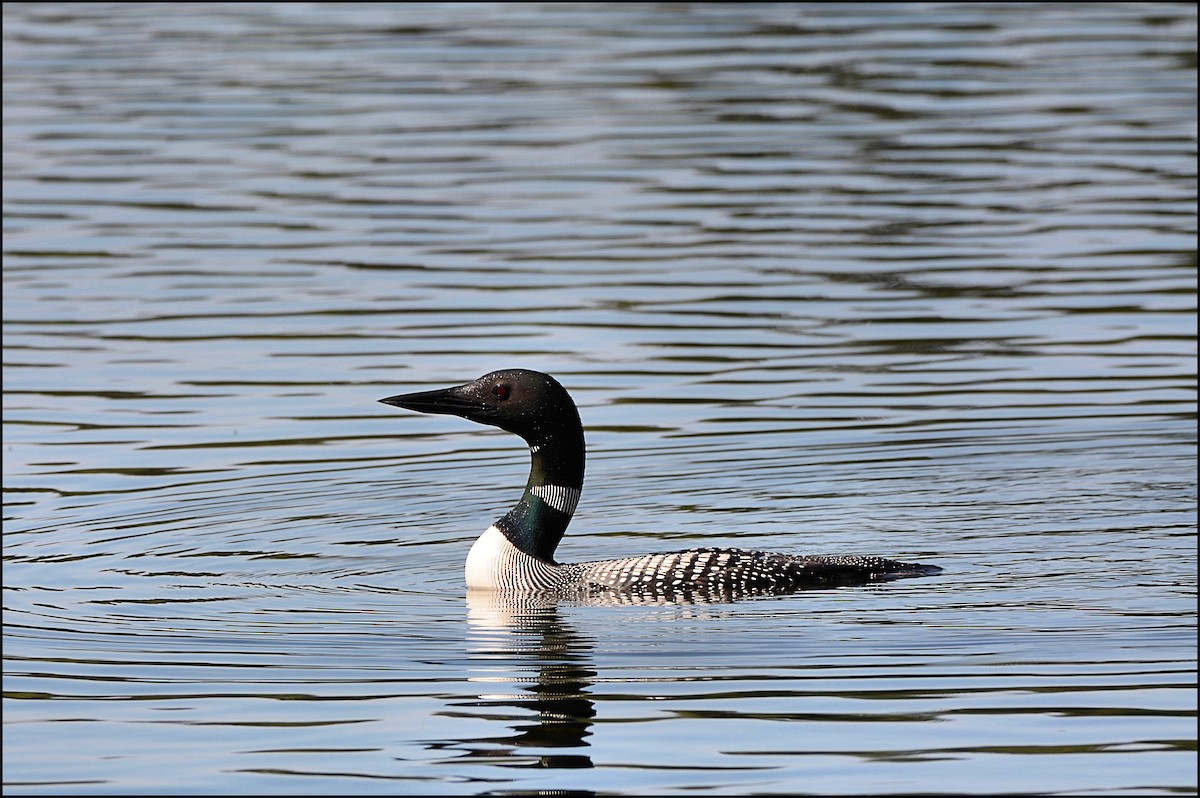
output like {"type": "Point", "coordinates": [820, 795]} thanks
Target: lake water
{"type": "Point", "coordinates": [911, 280]}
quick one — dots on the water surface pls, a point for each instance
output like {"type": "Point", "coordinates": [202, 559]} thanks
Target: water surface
{"type": "Point", "coordinates": [907, 280]}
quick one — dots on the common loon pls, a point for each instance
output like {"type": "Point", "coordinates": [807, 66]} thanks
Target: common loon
{"type": "Point", "coordinates": [516, 553]}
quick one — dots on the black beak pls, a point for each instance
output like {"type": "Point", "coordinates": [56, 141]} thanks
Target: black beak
{"type": "Point", "coordinates": [447, 401]}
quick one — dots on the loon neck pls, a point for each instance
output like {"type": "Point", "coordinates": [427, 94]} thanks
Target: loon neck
{"type": "Point", "coordinates": [537, 523]}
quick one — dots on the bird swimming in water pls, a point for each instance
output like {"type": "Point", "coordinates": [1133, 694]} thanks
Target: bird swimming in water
{"type": "Point", "coordinates": [516, 554]}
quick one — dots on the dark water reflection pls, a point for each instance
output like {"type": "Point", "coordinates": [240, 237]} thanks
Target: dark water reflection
{"type": "Point", "coordinates": [554, 709]}
{"type": "Point", "coordinates": [915, 281]}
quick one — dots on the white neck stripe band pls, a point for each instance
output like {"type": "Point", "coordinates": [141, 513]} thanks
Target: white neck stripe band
{"type": "Point", "coordinates": [558, 497]}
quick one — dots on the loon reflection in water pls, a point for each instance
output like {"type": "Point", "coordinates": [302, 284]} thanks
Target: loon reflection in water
{"type": "Point", "coordinates": [516, 554]}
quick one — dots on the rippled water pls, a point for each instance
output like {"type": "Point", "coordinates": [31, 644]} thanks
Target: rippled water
{"type": "Point", "coordinates": [908, 280]}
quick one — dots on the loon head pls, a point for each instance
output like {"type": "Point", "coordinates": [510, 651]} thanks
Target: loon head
{"type": "Point", "coordinates": [534, 406]}
{"type": "Point", "coordinates": [526, 403]}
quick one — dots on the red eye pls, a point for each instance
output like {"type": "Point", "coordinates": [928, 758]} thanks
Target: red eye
{"type": "Point", "coordinates": [501, 391]}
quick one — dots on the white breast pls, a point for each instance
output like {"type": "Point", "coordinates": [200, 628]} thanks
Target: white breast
{"type": "Point", "coordinates": [494, 563]}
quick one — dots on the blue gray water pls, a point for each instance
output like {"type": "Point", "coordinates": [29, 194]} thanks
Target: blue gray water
{"type": "Point", "coordinates": [912, 280]}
